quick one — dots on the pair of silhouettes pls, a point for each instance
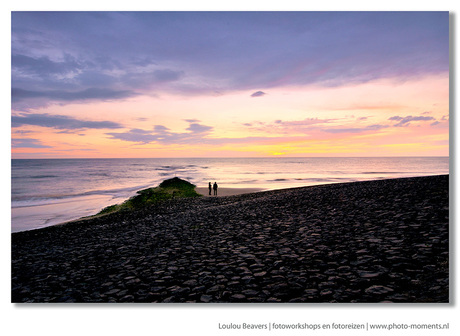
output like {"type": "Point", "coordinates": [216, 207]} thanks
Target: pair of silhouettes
{"type": "Point", "coordinates": [213, 187]}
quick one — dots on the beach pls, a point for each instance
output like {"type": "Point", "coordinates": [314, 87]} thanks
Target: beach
{"type": "Point", "coordinates": [227, 191]}
{"type": "Point", "coordinates": [360, 242]}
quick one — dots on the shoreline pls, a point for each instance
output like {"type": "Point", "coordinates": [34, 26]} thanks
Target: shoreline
{"type": "Point", "coordinates": [373, 241]}
{"type": "Point", "coordinates": [40, 216]}
{"type": "Point", "coordinates": [86, 207]}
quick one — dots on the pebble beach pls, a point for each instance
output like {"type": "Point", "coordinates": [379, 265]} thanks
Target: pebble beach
{"type": "Point", "coordinates": [359, 242]}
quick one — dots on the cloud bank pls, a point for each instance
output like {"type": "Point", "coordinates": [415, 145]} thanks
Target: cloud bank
{"type": "Point", "coordinates": [162, 134]}
{"type": "Point", "coordinates": [200, 53]}
{"type": "Point", "coordinates": [60, 122]}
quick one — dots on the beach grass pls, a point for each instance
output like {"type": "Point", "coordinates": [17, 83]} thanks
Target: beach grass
{"type": "Point", "coordinates": [168, 189]}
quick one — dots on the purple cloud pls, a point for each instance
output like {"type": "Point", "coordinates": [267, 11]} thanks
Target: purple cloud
{"type": "Point", "coordinates": [405, 121]}
{"type": "Point", "coordinates": [137, 135]}
{"type": "Point", "coordinates": [69, 96]}
{"type": "Point", "coordinates": [60, 122]}
{"type": "Point", "coordinates": [162, 134]}
{"type": "Point", "coordinates": [43, 66]}
{"type": "Point", "coordinates": [258, 94]}
{"type": "Point", "coordinates": [197, 128]}
{"type": "Point", "coordinates": [27, 143]}
{"type": "Point", "coordinates": [356, 129]}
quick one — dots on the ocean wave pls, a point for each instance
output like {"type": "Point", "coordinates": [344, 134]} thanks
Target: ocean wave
{"type": "Point", "coordinates": [387, 172]}
{"type": "Point", "coordinates": [32, 202]}
{"type": "Point", "coordinates": [35, 200]}
{"type": "Point", "coordinates": [179, 167]}
{"type": "Point", "coordinates": [170, 168]}
{"type": "Point", "coordinates": [246, 182]}
{"type": "Point", "coordinates": [323, 179]}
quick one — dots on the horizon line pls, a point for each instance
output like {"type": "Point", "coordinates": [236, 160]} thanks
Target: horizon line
{"type": "Point", "coordinates": [233, 157]}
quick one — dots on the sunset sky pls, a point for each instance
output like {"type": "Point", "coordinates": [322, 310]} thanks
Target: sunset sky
{"type": "Point", "coordinates": [229, 84]}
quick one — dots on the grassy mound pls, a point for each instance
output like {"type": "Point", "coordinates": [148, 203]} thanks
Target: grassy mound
{"type": "Point", "coordinates": [177, 183]}
{"type": "Point", "coordinates": [168, 189]}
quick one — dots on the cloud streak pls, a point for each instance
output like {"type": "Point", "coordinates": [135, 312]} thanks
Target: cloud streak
{"type": "Point", "coordinates": [311, 125]}
{"type": "Point", "coordinates": [355, 129]}
{"type": "Point", "coordinates": [60, 122]}
{"type": "Point", "coordinates": [27, 143]}
{"type": "Point", "coordinates": [405, 121]}
{"type": "Point", "coordinates": [70, 96]}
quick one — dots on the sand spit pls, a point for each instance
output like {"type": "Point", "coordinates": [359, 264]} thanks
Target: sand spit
{"type": "Point", "coordinates": [377, 241]}
{"type": "Point", "coordinates": [227, 191]}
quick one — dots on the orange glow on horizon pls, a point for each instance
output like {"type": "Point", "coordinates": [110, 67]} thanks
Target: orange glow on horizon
{"type": "Point", "coordinates": [381, 118]}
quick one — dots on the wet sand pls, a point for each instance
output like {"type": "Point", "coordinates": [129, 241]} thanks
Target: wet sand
{"type": "Point", "coordinates": [227, 191]}
{"type": "Point", "coordinates": [39, 216]}
{"type": "Point", "coordinates": [375, 241]}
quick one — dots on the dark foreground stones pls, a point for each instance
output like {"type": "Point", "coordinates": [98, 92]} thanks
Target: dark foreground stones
{"type": "Point", "coordinates": [377, 241]}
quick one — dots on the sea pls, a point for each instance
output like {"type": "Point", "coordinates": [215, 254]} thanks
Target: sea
{"type": "Point", "coordinates": [47, 192]}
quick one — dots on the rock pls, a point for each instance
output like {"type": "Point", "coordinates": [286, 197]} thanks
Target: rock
{"type": "Point", "coordinates": [190, 283]}
{"type": "Point", "coordinates": [368, 274]}
{"type": "Point", "coordinates": [250, 292]}
{"type": "Point", "coordinates": [127, 298]}
{"type": "Point", "coordinates": [238, 297]}
{"type": "Point", "coordinates": [379, 290]}
{"type": "Point", "coordinates": [206, 298]}
{"type": "Point", "coordinates": [112, 291]}
{"type": "Point", "coordinates": [215, 289]}
{"type": "Point", "coordinates": [273, 300]}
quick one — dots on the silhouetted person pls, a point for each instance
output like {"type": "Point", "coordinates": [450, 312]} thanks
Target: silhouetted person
{"type": "Point", "coordinates": [210, 188]}
{"type": "Point", "coordinates": [215, 188]}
